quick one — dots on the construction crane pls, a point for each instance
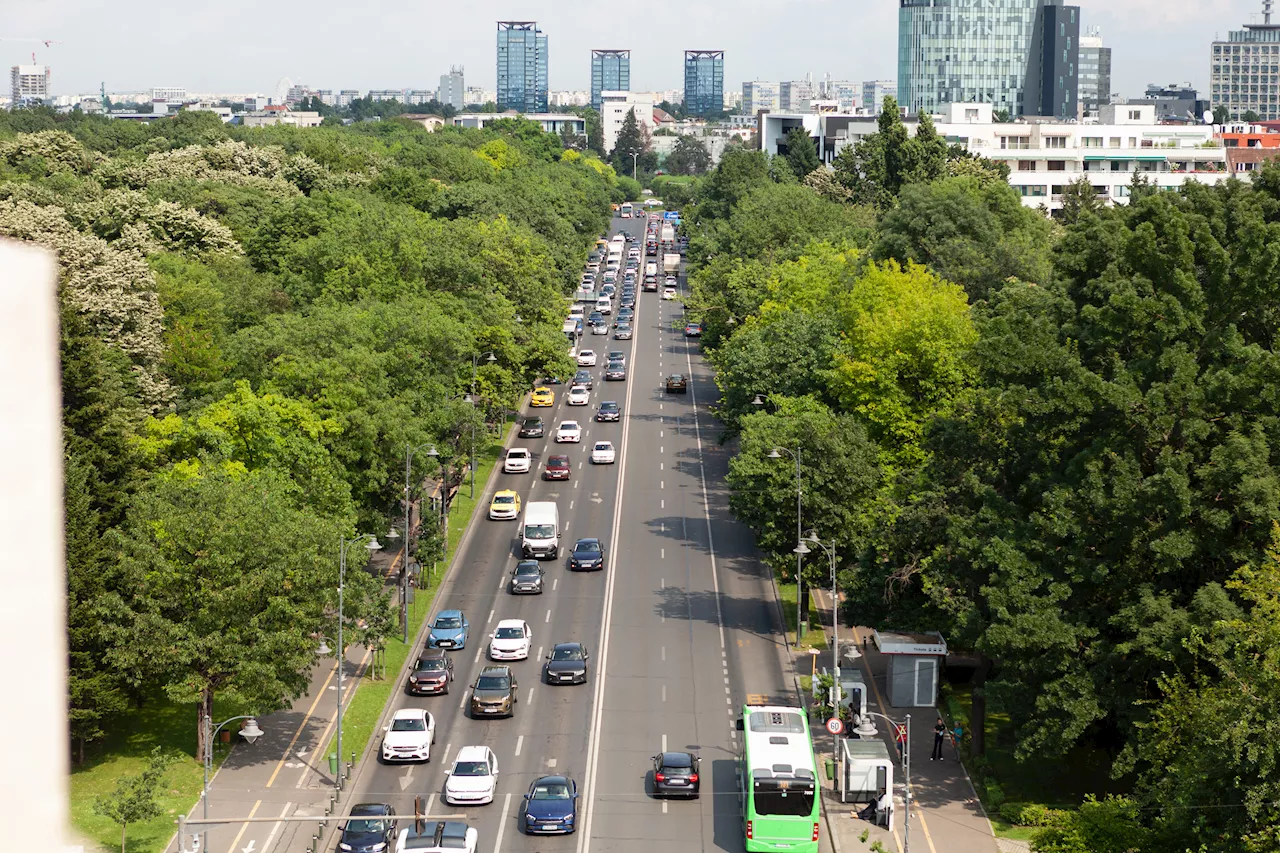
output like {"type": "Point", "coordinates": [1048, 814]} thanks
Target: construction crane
{"type": "Point", "coordinates": [45, 42]}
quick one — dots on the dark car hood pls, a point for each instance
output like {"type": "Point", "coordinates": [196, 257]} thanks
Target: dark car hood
{"type": "Point", "coordinates": [593, 557]}
{"type": "Point", "coordinates": [360, 840]}
{"type": "Point", "coordinates": [562, 666]}
{"type": "Point", "coordinates": [550, 808]}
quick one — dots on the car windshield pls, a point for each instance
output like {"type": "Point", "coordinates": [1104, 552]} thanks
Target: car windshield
{"type": "Point", "coordinates": [567, 653]}
{"type": "Point", "coordinates": [539, 531]}
{"type": "Point", "coordinates": [470, 768]}
{"type": "Point", "coordinates": [587, 547]}
{"type": "Point", "coordinates": [431, 665]}
{"type": "Point", "coordinates": [509, 633]}
{"type": "Point", "coordinates": [413, 725]}
{"type": "Point", "coordinates": [550, 792]}
{"type": "Point", "coordinates": [608, 406]}
{"type": "Point", "coordinates": [504, 499]}
{"type": "Point", "coordinates": [569, 425]}
{"type": "Point", "coordinates": [493, 682]}
{"type": "Point", "coordinates": [448, 622]}
{"type": "Point", "coordinates": [533, 422]}
{"type": "Point", "coordinates": [527, 570]}
{"type": "Point", "coordinates": [367, 825]}
{"type": "Point", "coordinates": [604, 445]}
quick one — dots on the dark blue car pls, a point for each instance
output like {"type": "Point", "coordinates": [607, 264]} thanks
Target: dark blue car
{"type": "Point", "coordinates": [448, 631]}
{"type": "Point", "coordinates": [551, 806]}
{"type": "Point", "coordinates": [370, 828]}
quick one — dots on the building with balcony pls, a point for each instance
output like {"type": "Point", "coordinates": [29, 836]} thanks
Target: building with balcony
{"type": "Point", "coordinates": [704, 82]}
{"type": "Point", "coordinates": [522, 67]}
{"type": "Point", "coordinates": [610, 72]}
{"type": "Point", "coordinates": [1244, 70]}
{"type": "Point", "coordinates": [1043, 156]}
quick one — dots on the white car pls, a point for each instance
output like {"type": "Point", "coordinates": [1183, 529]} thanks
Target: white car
{"type": "Point", "coordinates": [510, 640]}
{"type": "Point", "coordinates": [409, 736]}
{"type": "Point", "coordinates": [587, 358]}
{"type": "Point", "coordinates": [579, 395]}
{"type": "Point", "coordinates": [473, 777]}
{"type": "Point", "coordinates": [600, 329]}
{"type": "Point", "coordinates": [438, 836]}
{"type": "Point", "coordinates": [668, 293]}
{"type": "Point", "coordinates": [603, 453]}
{"type": "Point", "coordinates": [518, 461]}
{"type": "Point", "coordinates": [568, 431]}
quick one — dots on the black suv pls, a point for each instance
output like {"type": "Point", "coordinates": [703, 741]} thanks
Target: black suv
{"type": "Point", "coordinates": [370, 829]}
{"type": "Point", "coordinates": [532, 428]}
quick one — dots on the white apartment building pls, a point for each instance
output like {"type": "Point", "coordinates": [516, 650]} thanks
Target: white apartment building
{"type": "Point", "coordinates": [1043, 157]}
{"type": "Point", "coordinates": [550, 122]}
{"type": "Point", "coordinates": [28, 84]}
{"type": "Point", "coordinates": [169, 93]}
{"type": "Point", "coordinates": [346, 96]}
{"type": "Point", "coordinates": [614, 107]}
{"type": "Point", "coordinates": [281, 115]}
{"type": "Point", "coordinates": [760, 95]}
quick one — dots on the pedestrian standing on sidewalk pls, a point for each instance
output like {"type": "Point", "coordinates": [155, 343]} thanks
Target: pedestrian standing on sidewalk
{"type": "Point", "coordinates": [939, 734]}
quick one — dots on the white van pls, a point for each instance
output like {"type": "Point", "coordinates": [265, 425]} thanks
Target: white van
{"type": "Point", "coordinates": [651, 268]}
{"type": "Point", "coordinates": [540, 534]}
{"type": "Point", "coordinates": [604, 305]}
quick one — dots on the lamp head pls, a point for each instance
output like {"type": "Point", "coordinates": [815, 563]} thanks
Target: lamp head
{"type": "Point", "coordinates": [774, 454]}
{"type": "Point", "coordinates": [250, 731]}
{"type": "Point", "coordinates": [323, 650]}
{"type": "Point", "coordinates": [492, 358]}
{"type": "Point", "coordinates": [801, 549]}
{"type": "Point", "coordinates": [758, 401]}
{"type": "Point", "coordinates": [432, 451]}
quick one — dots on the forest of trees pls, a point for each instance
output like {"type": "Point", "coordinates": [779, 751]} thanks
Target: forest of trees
{"type": "Point", "coordinates": [255, 325]}
{"type": "Point", "coordinates": [1056, 441]}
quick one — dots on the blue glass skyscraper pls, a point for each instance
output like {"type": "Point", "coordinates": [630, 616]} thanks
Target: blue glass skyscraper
{"type": "Point", "coordinates": [522, 67]}
{"type": "Point", "coordinates": [704, 81]}
{"type": "Point", "coordinates": [610, 72]}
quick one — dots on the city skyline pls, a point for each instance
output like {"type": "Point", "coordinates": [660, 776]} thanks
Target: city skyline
{"type": "Point", "coordinates": [1153, 42]}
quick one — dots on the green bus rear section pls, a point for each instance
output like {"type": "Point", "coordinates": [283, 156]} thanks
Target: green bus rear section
{"type": "Point", "coordinates": [773, 833]}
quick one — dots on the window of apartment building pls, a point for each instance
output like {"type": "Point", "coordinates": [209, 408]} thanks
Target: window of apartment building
{"type": "Point", "coordinates": [1120, 191]}
{"type": "Point", "coordinates": [1092, 141]}
{"type": "Point", "coordinates": [1057, 165]}
{"type": "Point", "coordinates": [1026, 166]}
{"type": "Point", "coordinates": [1055, 142]}
{"type": "Point", "coordinates": [1120, 165]}
{"type": "Point", "coordinates": [1135, 115]}
{"type": "Point", "coordinates": [1057, 189]}
{"type": "Point", "coordinates": [1015, 142]}
{"type": "Point", "coordinates": [1032, 190]}
{"type": "Point", "coordinates": [1114, 142]}
{"type": "Point", "coordinates": [1133, 142]}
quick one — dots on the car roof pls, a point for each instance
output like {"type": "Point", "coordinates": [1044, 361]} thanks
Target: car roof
{"type": "Point", "coordinates": [600, 444]}
{"type": "Point", "coordinates": [552, 780]}
{"type": "Point", "coordinates": [585, 540]}
{"type": "Point", "coordinates": [612, 403]}
{"type": "Point", "coordinates": [573, 424]}
{"type": "Point", "coordinates": [534, 418]}
{"type": "Point", "coordinates": [504, 493]}
{"type": "Point", "coordinates": [472, 753]}
{"type": "Point", "coordinates": [448, 613]}
{"type": "Point", "coordinates": [410, 713]}
{"type": "Point", "coordinates": [559, 457]}
{"type": "Point", "coordinates": [371, 809]}
{"type": "Point", "coordinates": [523, 564]}
{"type": "Point", "coordinates": [572, 644]}
{"type": "Point", "coordinates": [677, 759]}
{"type": "Point", "coordinates": [496, 669]}
{"type": "Point", "coordinates": [510, 623]}
{"type": "Point", "coordinates": [519, 451]}
{"type": "Point", "coordinates": [428, 654]}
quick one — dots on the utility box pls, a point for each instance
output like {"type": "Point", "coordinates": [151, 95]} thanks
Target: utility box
{"type": "Point", "coordinates": [915, 664]}
{"type": "Point", "coordinates": [866, 770]}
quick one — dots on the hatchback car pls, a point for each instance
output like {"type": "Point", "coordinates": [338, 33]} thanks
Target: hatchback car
{"type": "Point", "coordinates": [510, 640]}
{"type": "Point", "coordinates": [669, 293]}
{"type": "Point", "coordinates": [473, 777]}
{"type": "Point", "coordinates": [505, 505]}
{"type": "Point", "coordinates": [600, 329]}
{"type": "Point", "coordinates": [551, 806]}
{"type": "Point", "coordinates": [582, 377]}
{"type": "Point", "coordinates": [615, 371]}
{"type": "Point", "coordinates": [542, 397]}
{"type": "Point", "coordinates": [693, 330]}
{"type": "Point", "coordinates": [569, 431]}
{"type": "Point", "coordinates": [602, 453]}
{"type": "Point", "coordinates": [518, 461]}
{"type": "Point", "coordinates": [622, 332]}
{"type": "Point", "coordinates": [369, 829]}
{"type": "Point", "coordinates": [609, 411]}
{"type": "Point", "coordinates": [587, 358]}
{"type": "Point", "coordinates": [624, 316]}
{"type": "Point", "coordinates": [677, 384]}
{"type": "Point", "coordinates": [579, 395]}
{"type": "Point", "coordinates": [587, 556]}
{"type": "Point", "coordinates": [526, 578]}
{"type": "Point", "coordinates": [675, 774]}
{"type": "Point", "coordinates": [566, 664]}
{"type": "Point", "coordinates": [558, 468]}
{"type": "Point", "coordinates": [495, 693]}
{"type": "Point", "coordinates": [437, 836]}
{"type": "Point", "coordinates": [532, 428]}
{"type": "Point", "coordinates": [409, 735]}
{"type": "Point", "coordinates": [432, 674]}
{"type": "Point", "coordinates": [449, 630]}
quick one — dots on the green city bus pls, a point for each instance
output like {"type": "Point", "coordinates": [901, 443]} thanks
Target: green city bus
{"type": "Point", "coordinates": [778, 780]}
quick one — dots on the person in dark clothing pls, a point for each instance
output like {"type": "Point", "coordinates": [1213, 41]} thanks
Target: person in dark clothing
{"type": "Point", "coordinates": [939, 733]}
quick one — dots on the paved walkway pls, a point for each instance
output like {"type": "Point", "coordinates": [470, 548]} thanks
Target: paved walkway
{"type": "Point", "coordinates": [946, 816]}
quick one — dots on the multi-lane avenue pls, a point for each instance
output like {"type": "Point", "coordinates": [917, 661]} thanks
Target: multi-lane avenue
{"type": "Point", "coordinates": [682, 625]}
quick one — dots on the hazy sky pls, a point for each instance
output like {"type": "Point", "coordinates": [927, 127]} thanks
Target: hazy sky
{"type": "Point", "coordinates": [241, 46]}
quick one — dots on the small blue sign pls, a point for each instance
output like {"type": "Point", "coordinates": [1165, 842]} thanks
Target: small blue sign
{"type": "Point", "coordinates": [672, 215]}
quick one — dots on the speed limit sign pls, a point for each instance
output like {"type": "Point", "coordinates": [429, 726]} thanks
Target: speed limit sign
{"type": "Point", "coordinates": [835, 726]}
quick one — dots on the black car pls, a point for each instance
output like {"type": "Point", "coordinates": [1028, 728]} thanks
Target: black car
{"type": "Point", "coordinates": [677, 384]}
{"type": "Point", "coordinates": [583, 378]}
{"type": "Point", "coordinates": [566, 664]}
{"type": "Point", "coordinates": [616, 371]}
{"type": "Point", "coordinates": [526, 578]}
{"type": "Point", "coordinates": [432, 674]}
{"type": "Point", "coordinates": [627, 302]}
{"type": "Point", "coordinates": [587, 556]}
{"type": "Point", "coordinates": [532, 428]}
{"type": "Point", "coordinates": [370, 829]}
{"type": "Point", "coordinates": [675, 774]}
{"type": "Point", "coordinates": [595, 319]}
{"type": "Point", "coordinates": [608, 411]}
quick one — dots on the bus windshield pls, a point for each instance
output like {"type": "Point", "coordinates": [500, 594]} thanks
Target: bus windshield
{"type": "Point", "coordinates": [783, 797]}
{"type": "Point", "coordinates": [625, 212]}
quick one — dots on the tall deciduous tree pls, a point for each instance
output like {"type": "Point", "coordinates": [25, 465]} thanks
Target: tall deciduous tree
{"type": "Point", "coordinates": [688, 157]}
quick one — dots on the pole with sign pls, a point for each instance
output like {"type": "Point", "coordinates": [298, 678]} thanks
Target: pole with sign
{"type": "Point", "coordinates": [836, 726]}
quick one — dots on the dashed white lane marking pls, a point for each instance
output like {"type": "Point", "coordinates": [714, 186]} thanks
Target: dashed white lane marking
{"type": "Point", "coordinates": [519, 743]}
{"type": "Point", "coordinates": [548, 619]}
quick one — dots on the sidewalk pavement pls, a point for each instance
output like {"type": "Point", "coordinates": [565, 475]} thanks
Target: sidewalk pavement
{"type": "Point", "coordinates": [282, 774]}
{"type": "Point", "coordinates": [946, 814]}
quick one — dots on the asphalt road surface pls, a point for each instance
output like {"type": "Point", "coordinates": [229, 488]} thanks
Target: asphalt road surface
{"type": "Point", "coordinates": [682, 626]}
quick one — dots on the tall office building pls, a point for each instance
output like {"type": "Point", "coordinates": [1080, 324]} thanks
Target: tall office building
{"type": "Point", "coordinates": [28, 85]}
{"type": "Point", "coordinates": [610, 72]}
{"type": "Point", "coordinates": [1094, 74]}
{"type": "Point", "coordinates": [1053, 62]}
{"type": "Point", "coordinates": [453, 88]}
{"type": "Point", "coordinates": [760, 95]}
{"type": "Point", "coordinates": [794, 96]}
{"type": "Point", "coordinates": [958, 51]}
{"type": "Point", "coordinates": [1245, 69]}
{"type": "Point", "coordinates": [874, 92]}
{"type": "Point", "coordinates": [704, 81]}
{"type": "Point", "coordinates": [522, 67]}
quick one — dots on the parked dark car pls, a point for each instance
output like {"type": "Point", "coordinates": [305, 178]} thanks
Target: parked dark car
{"type": "Point", "coordinates": [526, 578]}
{"type": "Point", "coordinates": [677, 384]}
{"type": "Point", "coordinates": [432, 674]}
{"type": "Point", "coordinates": [370, 829]}
{"type": "Point", "coordinates": [551, 806]}
{"type": "Point", "coordinates": [558, 468]}
{"type": "Point", "coordinates": [566, 664]}
{"type": "Point", "coordinates": [532, 428]}
{"type": "Point", "coordinates": [675, 774]}
{"type": "Point", "coordinates": [587, 555]}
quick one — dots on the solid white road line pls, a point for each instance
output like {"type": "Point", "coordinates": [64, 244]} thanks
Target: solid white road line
{"type": "Point", "coordinates": [502, 824]}
{"type": "Point", "coordinates": [706, 502]}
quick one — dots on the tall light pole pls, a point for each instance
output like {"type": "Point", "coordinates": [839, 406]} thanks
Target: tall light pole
{"type": "Point", "coordinates": [776, 453]}
{"type": "Point", "coordinates": [444, 503]}
{"type": "Point", "coordinates": [409, 450]}
{"type": "Point", "coordinates": [343, 542]}
{"type": "Point", "coordinates": [800, 550]}
{"type": "Point", "coordinates": [635, 160]}
{"type": "Point", "coordinates": [250, 732]}
{"type": "Point", "coordinates": [489, 357]}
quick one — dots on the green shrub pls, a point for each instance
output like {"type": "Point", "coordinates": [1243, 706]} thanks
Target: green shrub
{"type": "Point", "coordinates": [995, 795]}
{"type": "Point", "coordinates": [1029, 814]}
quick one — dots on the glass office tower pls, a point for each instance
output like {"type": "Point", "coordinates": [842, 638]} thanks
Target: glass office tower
{"type": "Point", "coordinates": [610, 72]}
{"type": "Point", "coordinates": [522, 67]}
{"type": "Point", "coordinates": [704, 81]}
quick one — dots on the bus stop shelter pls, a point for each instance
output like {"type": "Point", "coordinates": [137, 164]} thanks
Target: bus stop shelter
{"type": "Point", "coordinates": [914, 666]}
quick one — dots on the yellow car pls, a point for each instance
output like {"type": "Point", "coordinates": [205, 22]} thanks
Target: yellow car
{"type": "Point", "coordinates": [505, 505]}
{"type": "Point", "coordinates": [542, 396]}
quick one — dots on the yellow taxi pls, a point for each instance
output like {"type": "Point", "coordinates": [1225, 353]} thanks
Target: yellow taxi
{"type": "Point", "coordinates": [542, 396]}
{"type": "Point", "coordinates": [505, 505]}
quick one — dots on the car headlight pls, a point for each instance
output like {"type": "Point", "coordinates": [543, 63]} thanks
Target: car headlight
{"type": "Point", "coordinates": [344, 846]}
{"type": "Point", "coordinates": [379, 847]}
{"type": "Point", "coordinates": [530, 818]}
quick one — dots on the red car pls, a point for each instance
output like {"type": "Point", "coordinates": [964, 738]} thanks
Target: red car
{"type": "Point", "coordinates": [558, 468]}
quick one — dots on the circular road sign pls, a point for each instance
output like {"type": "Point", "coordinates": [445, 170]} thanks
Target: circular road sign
{"type": "Point", "coordinates": [835, 726]}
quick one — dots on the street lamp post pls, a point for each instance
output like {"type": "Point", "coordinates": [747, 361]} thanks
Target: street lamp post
{"type": "Point", "coordinates": [489, 357]}
{"type": "Point", "coordinates": [250, 732]}
{"type": "Point", "coordinates": [867, 729]}
{"type": "Point", "coordinates": [343, 542]}
{"type": "Point", "coordinates": [409, 450]}
{"type": "Point", "coordinates": [444, 497]}
{"type": "Point", "coordinates": [635, 159]}
{"type": "Point", "coordinates": [801, 549]}
{"type": "Point", "coordinates": [776, 453]}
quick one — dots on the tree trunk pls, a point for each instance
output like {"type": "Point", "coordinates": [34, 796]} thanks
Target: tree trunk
{"type": "Point", "coordinates": [124, 828]}
{"type": "Point", "coordinates": [978, 718]}
{"type": "Point", "coordinates": [204, 709]}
